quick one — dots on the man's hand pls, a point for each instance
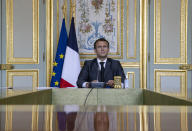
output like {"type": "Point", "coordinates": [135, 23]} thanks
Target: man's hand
{"type": "Point", "coordinates": [110, 83]}
{"type": "Point", "coordinates": [94, 81]}
{"type": "Point", "coordinates": [88, 83]}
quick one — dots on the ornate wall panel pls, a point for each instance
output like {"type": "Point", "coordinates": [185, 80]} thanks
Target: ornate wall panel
{"type": "Point", "coordinates": [131, 79]}
{"type": "Point", "coordinates": [170, 31]}
{"type": "Point", "coordinates": [25, 77]}
{"type": "Point", "coordinates": [170, 86]}
{"type": "Point", "coordinates": [131, 29]}
{"type": "Point", "coordinates": [22, 32]}
{"type": "Point", "coordinates": [173, 120]}
{"type": "Point", "coordinates": [29, 121]}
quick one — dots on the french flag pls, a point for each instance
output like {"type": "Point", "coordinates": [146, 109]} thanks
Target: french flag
{"type": "Point", "coordinates": [71, 66]}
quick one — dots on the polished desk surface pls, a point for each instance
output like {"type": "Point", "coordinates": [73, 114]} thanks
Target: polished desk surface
{"type": "Point", "coordinates": [93, 118]}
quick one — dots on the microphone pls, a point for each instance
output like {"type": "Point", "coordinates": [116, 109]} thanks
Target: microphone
{"type": "Point", "coordinates": [97, 84]}
{"type": "Point", "coordinates": [84, 112]}
{"type": "Point", "coordinates": [87, 96]}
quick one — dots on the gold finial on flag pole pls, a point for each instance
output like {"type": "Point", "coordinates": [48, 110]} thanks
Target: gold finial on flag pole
{"type": "Point", "coordinates": [73, 13]}
{"type": "Point", "coordinates": [72, 8]}
{"type": "Point", "coordinates": [64, 10]}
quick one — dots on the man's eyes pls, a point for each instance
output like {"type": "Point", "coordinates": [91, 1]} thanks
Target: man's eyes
{"type": "Point", "coordinates": [102, 47]}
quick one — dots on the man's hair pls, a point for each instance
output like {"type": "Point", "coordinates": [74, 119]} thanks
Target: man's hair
{"type": "Point", "coordinates": [100, 39]}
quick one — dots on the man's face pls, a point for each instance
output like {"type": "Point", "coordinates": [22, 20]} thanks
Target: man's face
{"type": "Point", "coordinates": [101, 49]}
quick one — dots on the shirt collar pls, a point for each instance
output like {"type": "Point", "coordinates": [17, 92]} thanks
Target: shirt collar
{"type": "Point", "coordinates": [98, 60]}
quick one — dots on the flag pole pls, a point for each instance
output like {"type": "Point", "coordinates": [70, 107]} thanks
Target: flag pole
{"type": "Point", "coordinates": [63, 9]}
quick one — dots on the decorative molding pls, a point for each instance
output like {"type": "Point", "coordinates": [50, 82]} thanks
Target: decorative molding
{"type": "Point", "coordinates": [24, 72]}
{"type": "Point", "coordinates": [143, 110]}
{"type": "Point", "coordinates": [9, 118]}
{"type": "Point", "coordinates": [183, 78]}
{"type": "Point", "coordinates": [9, 19]}
{"type": "Point", "coordinates": [49, 118]}
{"type": "Point", "coordinates": [133, 78]}
{"type": "Point", "coordinates": [130, 64]}
{"type": "Point", "coordinates": [35, 118]}
{"type": "Point", "coordinates": [157, 35]}
{"type": "Point", "coordinates": [49, 40]}
{"type": "Point", "coordinates": [157, 117]}
{"type": "Point", "coordinates": [135, 30]}
{"type": "Point", "coordinates": [143, 43]}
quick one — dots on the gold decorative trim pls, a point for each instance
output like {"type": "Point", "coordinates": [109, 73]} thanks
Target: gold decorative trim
{"type": "Point", "coordinates": [120, 21]}
{"type": "Point", "coordinates": [71, 9]}
{"type": "Point", "coordinates": [184, 120]}
{"type": "Point", "coordinates": [133, 80]}
{"type": "Point", "coordinates": [157, 35]}
{"type": "Point", "coordinates": [64, 10]}
{"type": "Point", "coordinates": [9, 19]}
{"type": "Point", "coordinates": [127, 28]}
{"type": "Point", "coordinates": [135, 30]}
{"type": "Point", "coordinates": [183, 85]}
{"type": "Point", "coordinates": [157, 118]}
{"type": "Point", "coordinates": [35, 118]}
{"type": "Point", "coordinates": [143, 43]}
{"type": "Point", "coordinates": [186, 27]}
{"type": "Point", "coordinates": [143, 118]}
{"type": "Point", "coordinates": [122, 121]}
{"type": "Point", "coordinates": [49, 40]}
{"type": "Point", "coordinates": [9, 118]}
{"type": "Point", "coordinates": [36, 30]}
{"type": "Point", "coordinates": [58, 33]}
{"type": "Point", "coordinates": [118, 121]}
{"type": "Point", "coordinates": [157, 122]}
{"type": "Point", "coordinates": [9, 29]}
{"type": "Point", "coordinates": [127, 119]}
{"type": "Point", "coordinates": [33, 73]}
{"type": "Point", "coordinates": [135, 125]}
{"type": "Point", "coordinates": [130, 64]}
{"type": "Point", "coordinates": [6, 66]}
{"type": "Point", "coordinates": [48, 118]}
{"type": "Point", "coordinates": [145, 111]}
{"type": "Point", "coordinates": [186, 67]}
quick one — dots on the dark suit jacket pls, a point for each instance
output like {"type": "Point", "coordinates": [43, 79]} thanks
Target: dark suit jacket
{"type": "Point", "coordinates": [90, 71]}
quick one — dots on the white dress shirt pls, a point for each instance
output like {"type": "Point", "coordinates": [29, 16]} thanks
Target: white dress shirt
{"type": "Point", "coordinates": [98, 61]}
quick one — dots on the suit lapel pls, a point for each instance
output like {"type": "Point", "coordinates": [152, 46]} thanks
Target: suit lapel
{"type": "Point", "coordinates": [95, 69]}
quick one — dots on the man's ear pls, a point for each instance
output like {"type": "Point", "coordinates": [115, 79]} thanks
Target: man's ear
{"type": "Point", "coordinates": [95, 51]}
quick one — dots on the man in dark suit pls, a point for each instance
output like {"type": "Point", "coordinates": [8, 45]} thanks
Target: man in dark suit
{"type": "Point", "coordinates": [100, 69]}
